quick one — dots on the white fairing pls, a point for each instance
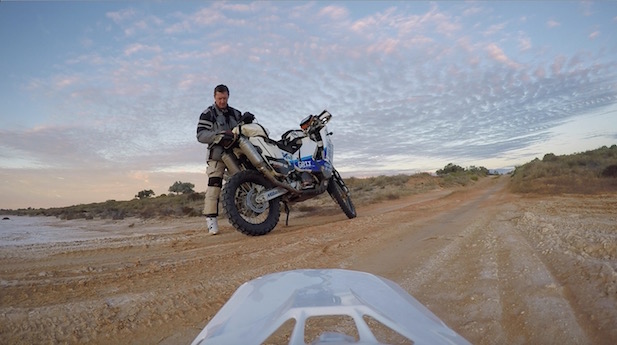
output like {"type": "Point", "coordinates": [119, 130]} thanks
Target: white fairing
{"type": "Point", "coordinates": [259, 307]}
{"type": "Point", "coordinates": [251, 130]}
{"type": "Point", "coordinates": [257, 135]}
{"type": "Point", "coordinates": [303, 159]}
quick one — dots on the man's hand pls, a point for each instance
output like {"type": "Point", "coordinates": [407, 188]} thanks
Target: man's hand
{"type": "Point", "coordinates": [226, 138]}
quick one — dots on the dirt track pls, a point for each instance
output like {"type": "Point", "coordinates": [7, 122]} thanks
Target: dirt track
{"type": "Point", "coordinates": [495, 267]}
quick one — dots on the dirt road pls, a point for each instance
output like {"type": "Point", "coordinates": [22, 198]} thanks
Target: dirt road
{"type": "Point", "coordinates": [495, 267]}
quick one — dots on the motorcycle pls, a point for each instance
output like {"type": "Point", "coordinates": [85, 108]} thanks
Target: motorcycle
{"type": "Point", "coordinates": [265, 173]}
{"type": "Point", "coordinates": [259, 308]}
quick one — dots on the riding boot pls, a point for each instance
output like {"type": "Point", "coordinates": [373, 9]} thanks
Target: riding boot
{"type": "Point", "coordinates": [213, 225]}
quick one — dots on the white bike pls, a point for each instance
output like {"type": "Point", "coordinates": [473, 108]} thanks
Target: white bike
{"type": "Point", "coordinates": [261, 306]}
{"type": "Point", "coordinates": [265, 173]}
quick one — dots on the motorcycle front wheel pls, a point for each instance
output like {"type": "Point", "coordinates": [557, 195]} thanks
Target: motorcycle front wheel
{"type": "Point", "coordinates": [340, 193]}
{"type": "Point", "coordinates": [245, 211]}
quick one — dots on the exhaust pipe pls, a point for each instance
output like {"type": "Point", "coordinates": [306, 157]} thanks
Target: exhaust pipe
{"type": "Point", "coordinates": [258, 162]}
{"type": "Point", "coordinates": [254, 157]}
{"type": "Point", "coordinates": [230, 163]}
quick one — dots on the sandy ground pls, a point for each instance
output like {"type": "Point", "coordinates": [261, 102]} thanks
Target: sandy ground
{"type": "Point", "coordinates": [495, 267]}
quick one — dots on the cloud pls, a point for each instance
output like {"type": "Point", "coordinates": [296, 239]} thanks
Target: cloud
{"type": "Point", "coordinates": [497, 54]}
{"type": "Point", "coordinates": [558, 64]}
{"type": "Point", "coordinates": [552, 24]}
{"type": "Point", "coordinates": [408, 90]}
{"type": "Point", "coordinates": [138, 47]}
{"type": "Point", "coordinates": [472, 11]}
{"type": "Point", "coordinates": [524, 44]}
{"type": "Point", "coordinates": [334, 12]}
{"type": "Point", "coordinates": [65, 81]}
{"type": "Point", "coordinates": [121, 15]}
{"type": "Point", "coordinates": [494, 29]}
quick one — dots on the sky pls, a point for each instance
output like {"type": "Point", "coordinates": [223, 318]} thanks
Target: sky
{"type": "Point", "coordinates": [100, 99]}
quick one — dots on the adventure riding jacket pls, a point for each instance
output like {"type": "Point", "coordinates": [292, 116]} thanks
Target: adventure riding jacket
{"type": "Point", "coordinates": [213, 121]}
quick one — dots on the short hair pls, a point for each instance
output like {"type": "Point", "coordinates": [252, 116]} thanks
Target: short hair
{"type": "Point", "coordinates": [221, 88]}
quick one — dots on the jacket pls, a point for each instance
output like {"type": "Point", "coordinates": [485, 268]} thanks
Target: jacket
{"type": "Point", "coordinates": [213, 121]}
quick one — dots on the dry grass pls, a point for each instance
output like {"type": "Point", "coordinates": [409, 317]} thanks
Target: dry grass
{"type": "Point", "coordinates": [373, 190]}
{"type": "Point", "coordinates": [183, 205]}
{"type": "Point", "coordinates": [590, 172]}
{"type": "Point", "coordinates": [363, 190]}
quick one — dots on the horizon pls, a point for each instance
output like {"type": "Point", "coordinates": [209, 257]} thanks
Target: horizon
{"type": "Point", "coordinates": [100, 100]}
{"type": "Point", "coordinates": [362, 175]}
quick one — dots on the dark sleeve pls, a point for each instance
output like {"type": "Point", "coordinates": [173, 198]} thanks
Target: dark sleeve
{"type": "Point", "coordinates": [206, 127]}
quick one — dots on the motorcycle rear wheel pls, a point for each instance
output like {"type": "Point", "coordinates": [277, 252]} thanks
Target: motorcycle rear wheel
{"type": "Point", "coordinates": [245, 213]}
{"type": "Point", "coordinates": [340, 193]}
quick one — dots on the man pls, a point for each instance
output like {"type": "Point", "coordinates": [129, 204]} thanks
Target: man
{"type": "Point", "coordinates": [214, 126]}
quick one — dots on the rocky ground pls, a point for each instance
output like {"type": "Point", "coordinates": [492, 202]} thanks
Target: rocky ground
{"type": "Point", "coordinates": [496, 267]}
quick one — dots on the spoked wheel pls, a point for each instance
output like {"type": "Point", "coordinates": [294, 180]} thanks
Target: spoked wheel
{"type": "Point", "coordinates": [246, 209]}
{"type": "Point", "coordinates": [340, 193]}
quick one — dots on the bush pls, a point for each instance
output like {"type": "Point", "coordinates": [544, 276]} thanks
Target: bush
{"type": "Point", "coordinates": [610, 171]}
{"type": "Point", "coordinates": [146, 193]}
{"type": "Point", "coordinates": [450, 168]}
{"type": "Point", "coordinates": [576, 173]}
{"type": "Point", "coordinates": [549, 157]}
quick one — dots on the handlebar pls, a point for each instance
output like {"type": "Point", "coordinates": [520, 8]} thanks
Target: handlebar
{"type": "Point", "coordinates": [325, 116]}
{"type": "Point", "coordinates": [312, 122]}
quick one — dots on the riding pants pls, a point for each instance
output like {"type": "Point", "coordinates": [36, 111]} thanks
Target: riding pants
{"type": "Point", "coordinates": [215, 171]}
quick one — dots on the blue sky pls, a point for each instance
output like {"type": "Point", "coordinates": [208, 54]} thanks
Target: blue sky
{"type": "Point", "coordinates": [99, 100]}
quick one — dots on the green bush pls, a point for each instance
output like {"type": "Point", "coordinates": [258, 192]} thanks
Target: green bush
{"type": "Point", "coordinates": [579, 173]}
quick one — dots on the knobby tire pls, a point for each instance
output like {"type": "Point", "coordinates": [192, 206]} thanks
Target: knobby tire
{"type": "Point", "coordinates": [237, 194]}
{"type": "Point", "coordinates": [340, 193]}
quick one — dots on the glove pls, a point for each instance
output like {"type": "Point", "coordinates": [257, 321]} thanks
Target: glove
{"type": "Point", "coordinates": [227, 138]}
{"type": "Point", "coordinates": [247, 118]}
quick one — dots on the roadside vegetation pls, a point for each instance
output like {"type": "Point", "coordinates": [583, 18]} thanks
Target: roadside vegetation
{"type": "Point", "coordinates": [183, 201]}
{"type": "Point", "coordinates": [376, 189]}
{"type": "Point", "coordinates": [590, 172]}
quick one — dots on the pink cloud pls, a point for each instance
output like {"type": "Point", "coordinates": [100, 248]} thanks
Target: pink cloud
{"type": "Point", "coordinates": [497, 54]}
{"type": "Point", "coordinates": [334, 12]}
{"type": "Point", "coordinates": [388, 46]}
{"type": "Point", "coordinates": [64, 82]}
{"type": "Point", "coordinates": [558, 64]}
{"type": "Point", "coordinates": [138, 47]}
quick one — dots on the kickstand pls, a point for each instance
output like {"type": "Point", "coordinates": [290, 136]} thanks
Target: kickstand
{"type": "Point", "coordinates": [286, 211]}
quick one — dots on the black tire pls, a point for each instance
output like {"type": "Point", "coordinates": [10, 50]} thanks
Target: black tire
{"type": "Point", "coordinates": [244, 212]}
{"type": "Point", "coordinates": [340, 193]}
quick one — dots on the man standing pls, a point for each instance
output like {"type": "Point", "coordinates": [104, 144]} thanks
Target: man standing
{"type": "Point", "coordinates": [214, 126]}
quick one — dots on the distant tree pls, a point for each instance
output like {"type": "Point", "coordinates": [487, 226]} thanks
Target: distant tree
{"type": "Point", "coordinates": [144, 194]}
{"type": "Point", "coordinates": [450, 168]}
{"type": "Point", "coordinates": [478, 170]}
{"type": "Point", "coordinates": [182, 187]}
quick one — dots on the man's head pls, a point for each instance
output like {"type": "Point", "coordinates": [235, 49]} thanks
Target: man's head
{"type": "Point", "coordinates": [221, 95]}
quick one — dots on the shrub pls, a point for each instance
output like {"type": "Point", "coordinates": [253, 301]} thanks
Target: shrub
{"type": "Point", "coordinates": [610, 171]}
{"type": "Point", "coordinates": [449, 169]}
{"type": "Point", "coordinates": [576, 173]}
{"type": "Point", "coordinates": [146, 193]}
{"type": "Point", "coordinates": [549, 157]}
